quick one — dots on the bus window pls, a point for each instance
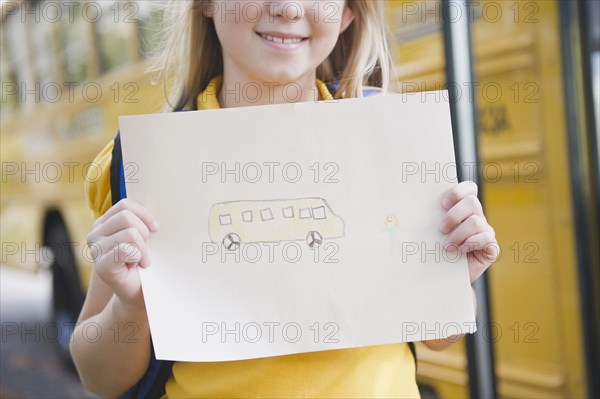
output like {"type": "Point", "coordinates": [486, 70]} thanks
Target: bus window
{"type": "Point", "coordinates": [44, 48]}
{"type": "Point", "coordinates": [247, 216]}
{"type": "Point", "coordinates": [417, 44]}
{"type": "Point", "coordinates": [593, 40]}
{"type": "Point", "coordinates": [149, 23]}
{"type": "Point", "coordinates": [319, 213]}
{"type": "Point", "coordinates": [76, 44]}
{"type": "Point", "coordinates": [225, 220]}
{"type": "Point", "coordinates": [114, 34]}
{"type": "Point", "coordinates": [288, 212]}
{"type": "Point", "coordinates": [266, 214]}
{"type": "Point", "coordinates": [19, 54]}
{"type": "Point", "coordinates": [7, 76]}
{"type": "Point", "coordinates": [304, 213]}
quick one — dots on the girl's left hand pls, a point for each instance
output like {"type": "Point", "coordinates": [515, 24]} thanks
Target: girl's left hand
{"type": "Point", "coordinates": [469, 230]}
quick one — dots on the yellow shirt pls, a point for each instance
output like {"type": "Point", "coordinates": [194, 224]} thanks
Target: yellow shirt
{"type": "Point", "coordinates": [386, 371]}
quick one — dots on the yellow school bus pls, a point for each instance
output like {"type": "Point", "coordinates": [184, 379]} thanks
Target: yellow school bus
{"type": "Point", "coordinates": [68, 71]}
{"type": "Point", "coordinates": [66, 78]}
{"type": "Point", "coordinates": [538, 189]}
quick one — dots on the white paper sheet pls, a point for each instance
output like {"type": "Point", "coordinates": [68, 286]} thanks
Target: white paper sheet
{"type": "Point", "coordinates": [297, 227]}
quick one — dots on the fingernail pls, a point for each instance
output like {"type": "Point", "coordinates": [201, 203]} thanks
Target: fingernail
{"type": "Point", "coordinates": [443, 227]}
{"type": "Point", "coordinates": [446, 203]}
{"type": "Point", "coordinates": [154, 225]}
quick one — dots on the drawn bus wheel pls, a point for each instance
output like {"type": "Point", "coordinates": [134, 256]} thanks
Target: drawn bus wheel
{"type": "Point", "coordinates": [231, 242]}
{"type": "Point", "coordinates": [314, 239]}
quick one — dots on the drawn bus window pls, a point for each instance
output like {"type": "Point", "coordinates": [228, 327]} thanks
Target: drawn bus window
{"type": "Point", "coordinates": [304, 213]}
{"type": "Point", "coordinates": [301, 219]}
{"type": "Point", "coordinates": [266, 214]}
{"type": "Point", "coordinates": [288, 212]}
{"type": "Point", "coordinates": [224, 220]}
{"type": "Point", "coordinates": [247, 216]}
{"type": "Point", "coordinates": [319, 213]}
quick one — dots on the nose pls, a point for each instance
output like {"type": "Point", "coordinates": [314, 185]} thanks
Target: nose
{"type": "Point", "coordinates": [288, 10]}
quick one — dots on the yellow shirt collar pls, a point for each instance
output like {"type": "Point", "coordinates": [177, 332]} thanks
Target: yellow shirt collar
{"type": "Point", "coordinates": [208, 98]}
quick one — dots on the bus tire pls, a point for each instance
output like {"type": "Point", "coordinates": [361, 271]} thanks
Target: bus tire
{"type": "Point", "coordinates": [67, 295]}
{"type": "Point", "coordinates": [231, 242]}
{"type": "Point", "coordinates": [314, 239]}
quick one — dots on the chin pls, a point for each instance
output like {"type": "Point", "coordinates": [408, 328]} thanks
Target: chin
{"type": "Point", "coordinates": [281, 77]}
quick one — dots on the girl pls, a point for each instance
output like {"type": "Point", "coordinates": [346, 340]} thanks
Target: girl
{"type": "Point", "coordinates": [213, 50]}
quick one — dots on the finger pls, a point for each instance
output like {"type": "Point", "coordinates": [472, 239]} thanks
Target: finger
{"type": "Point", "coordinates": [484, 253]}
{"type": "Point", "coordinates": [132, 238]}
{"type": "Point", "coordinates": [468, 229]}
{"type": "Point", "coordinates": [484, 245]}
{"type": "Point", "coordinates": [127, 246]}
{"type": "Point", "coordinates": [459, 192]}
{"type": "Point", "coordinates": [120, 221]}
{"type": "Point", "coordinates": [489, 245]}
{"type": "Point", "coordinates": [479, 262]}
{"type": "Point", "coordinates": [466, 207]}
{"type": "Point", "coordinates": [130, 253]}
{"type": "Point", "coordinates": [123, 281]}
{"type": "Point", "coordinates": [112, 264]}
{"type": "Point", "coordinates": [127, 204]}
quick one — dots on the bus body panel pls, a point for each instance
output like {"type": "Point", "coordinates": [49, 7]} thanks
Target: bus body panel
{"type": "Point", "coordinates": [274, 220]}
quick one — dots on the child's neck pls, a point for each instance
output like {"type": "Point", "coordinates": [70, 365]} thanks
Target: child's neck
{"type": "Point", "coordinates": [238, 91]}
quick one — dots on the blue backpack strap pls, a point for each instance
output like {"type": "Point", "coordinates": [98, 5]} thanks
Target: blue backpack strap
{"type": "Point", "coordinates": [413, 350]}
{"type": "Point", "coordinates": [368, 91]}
{"type": "Point", "coordinates": [117, 172]}
{"type": "Point", "coordinates": [152, 384]}
{"type": "Point", "coordinates": [371, 91]}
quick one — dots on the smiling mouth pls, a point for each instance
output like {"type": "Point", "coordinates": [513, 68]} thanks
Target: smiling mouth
{"type": "Point", "coordinates": [281, 40]}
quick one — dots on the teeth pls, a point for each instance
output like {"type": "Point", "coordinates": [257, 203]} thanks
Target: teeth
{"type": "Point", "coordinates": [282, 40]}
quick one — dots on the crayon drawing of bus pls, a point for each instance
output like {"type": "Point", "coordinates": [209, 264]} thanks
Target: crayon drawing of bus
{"type": "Point", "coordinates": [303, 219]}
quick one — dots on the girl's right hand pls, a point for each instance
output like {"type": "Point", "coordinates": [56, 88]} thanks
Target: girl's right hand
{"type": "Point", "coordinates": [118, 245]}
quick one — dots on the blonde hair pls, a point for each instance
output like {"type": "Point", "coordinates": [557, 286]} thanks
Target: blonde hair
{"type": "Point", "coordinates": [190, 54]}
{"type": "Point", "coordinates": [395, 220]}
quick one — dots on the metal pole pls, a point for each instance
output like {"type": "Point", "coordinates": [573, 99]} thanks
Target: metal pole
{"type": "Point", "coordinates": [459, 72]}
